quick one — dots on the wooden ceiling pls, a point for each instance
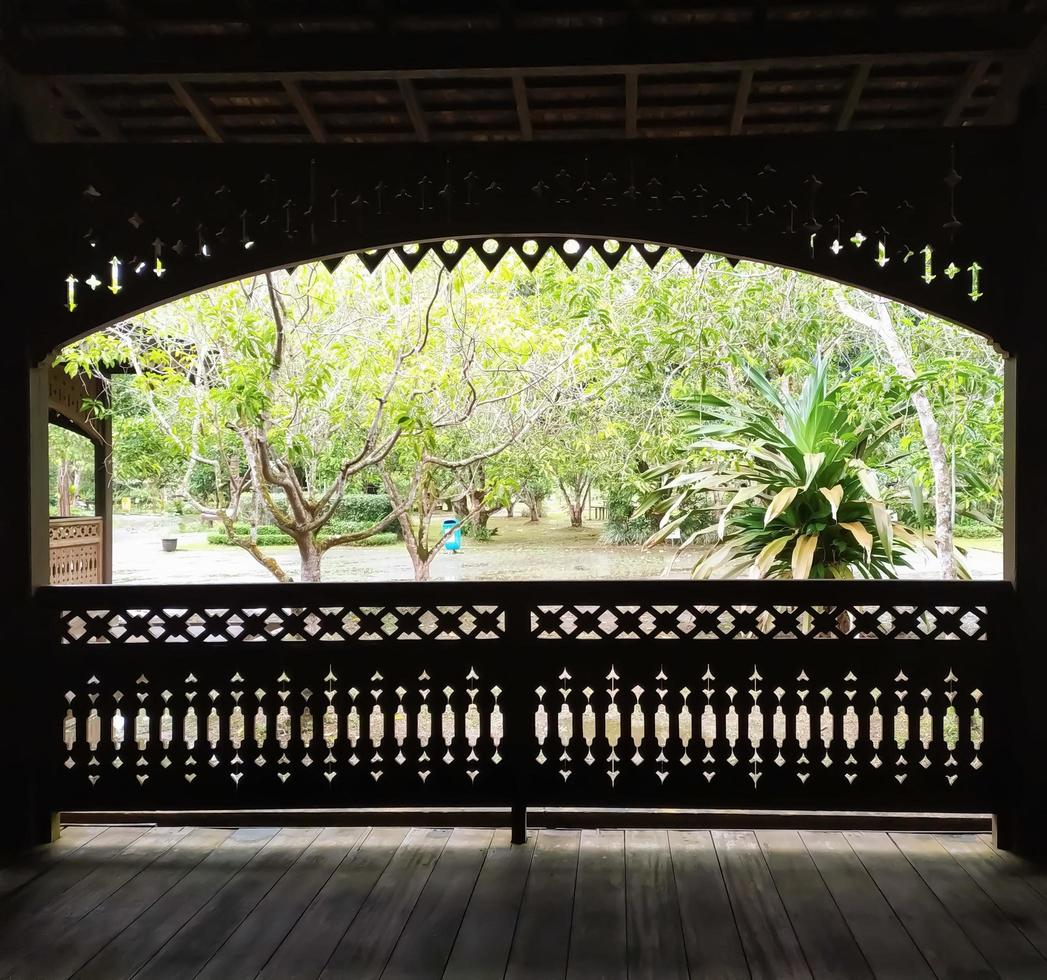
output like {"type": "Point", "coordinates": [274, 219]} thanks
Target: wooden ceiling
{"type": "Point", "coordinates": [407, 71]}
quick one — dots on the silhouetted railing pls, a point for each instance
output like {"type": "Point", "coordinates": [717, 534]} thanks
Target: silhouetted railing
{"type": "Point", "coordinates": [820, 695]}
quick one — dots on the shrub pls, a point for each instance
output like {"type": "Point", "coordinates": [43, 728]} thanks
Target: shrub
{"type": "Point", "coordinates": [382, 537]}
{"type": "Point", "coordinates": [269, 535]}
{"type": "Point", "coordinates": [974, 529]}
{"type": "Point", "coordinates": [364, 509]}
{"type": "Point", "coordinates": [621, 526]}
{"type": "Point", "coordinates": [478, 533]}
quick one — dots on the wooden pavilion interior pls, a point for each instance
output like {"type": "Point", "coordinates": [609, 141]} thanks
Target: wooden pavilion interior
{"type": "Point", "coordinates": [153, 822]}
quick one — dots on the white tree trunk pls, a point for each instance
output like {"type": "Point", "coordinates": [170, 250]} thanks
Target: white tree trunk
{"type": "Point", "coordinates": [932, 437]}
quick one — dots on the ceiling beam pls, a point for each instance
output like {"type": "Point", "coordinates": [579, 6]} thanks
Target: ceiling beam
{"type": "Point", "coordinates": [972, 78]}
{"type": "Point", "coordinates": [305, 110]}
{"type": "Point", "coordinates": [741, 100]}
{"type": "Point", "coordinates": [1017, 74]}
{"type": "Point", "coordinates": [632, 97]}
{"type": "Point", "coordinates": [523, 109]}
{"type": "Point", "coordinates": [201, 112]}
{"type": "Point", "coordinates": [854, 96]}
{"type": "Point", "coordinates": [79, 99]}
{"type": "Point", "coordinates": [414, 109]}
{"type": "Point", "coordinates": [643, 48]}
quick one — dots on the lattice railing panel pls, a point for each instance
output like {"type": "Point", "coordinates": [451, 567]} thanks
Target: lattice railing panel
{"type": "Point", "coordinates": [586, 694]}
{"type": "Point", "coordinates": [737, 730]}
{"type": "Point", "coordinates": [352, 730]}
{"type": "Point", "coordinates": [748, 621]}
{"type": "Point", "coordinates": [226, 624]}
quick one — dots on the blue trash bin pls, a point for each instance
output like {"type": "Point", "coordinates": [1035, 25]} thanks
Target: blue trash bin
{"type": "Point", "coordinates": [454, 542]}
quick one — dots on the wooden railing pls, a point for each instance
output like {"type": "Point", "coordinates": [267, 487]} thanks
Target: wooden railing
{"type": "Point", "coordinates": [794, 695]}
{"type": "Point", "coordinates": [76, 554]}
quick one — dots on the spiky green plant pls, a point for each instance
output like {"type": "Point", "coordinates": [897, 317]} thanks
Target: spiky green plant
{"type": "Point", "coordinates": [788, 477]}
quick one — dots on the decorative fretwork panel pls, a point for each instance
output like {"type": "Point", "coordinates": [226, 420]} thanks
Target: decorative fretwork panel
{"type": "Point", "coordinates": [489, 694]}
{"type": "Point", "coordinates": [231, 624]}
{"type": "Point", "coordinates": [254, 731]}
{"type": "Point", "coordinates": [734, 732]}
{"type": "Point", "coordinates": [748, 621]}
{"type": "Point", "coordinates": [75, 550]}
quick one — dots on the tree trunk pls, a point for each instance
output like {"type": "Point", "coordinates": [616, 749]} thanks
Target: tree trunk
{"type": "Point", "coordinates": [576, 502]}
{"type": "Point", "coordinates": [932, 437]}
{"type": "Point", "coordinates": [311, 557]}
{"type": "Point", "coordinates": [509, 508]}
{"type": "Point", "coordinates": [68, 477]}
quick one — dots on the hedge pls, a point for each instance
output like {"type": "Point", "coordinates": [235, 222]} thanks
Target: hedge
{"type": "Point", "coordinates": [270, 535]}
{"type": "Point", "coordinates": [364, 508]}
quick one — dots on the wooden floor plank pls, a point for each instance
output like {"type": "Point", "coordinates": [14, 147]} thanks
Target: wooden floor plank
{"type": "Point", "coordinates": [714, 948]}
{"type": "Point", "coordinates": [21, 867]}
{"type": "Point", "coordinates": [543, 931]}
{"type": "Point", "coordinates": [66, 953]}
{"type": "Point", "coordinates": [129, 950]}
{"type": "Point", "coordinates": [1021, 903]}
{"type": "Point", "coordinates": [770, 945]}
{"type": "Point", "coordinates": [997, 939]}
{"type": "Point", "coordinates": [598, 923]}
{"type": "Point", "coordinates": [366, 946]}
{"type": "Point", "coordinates": [935, 932]}
{"type": "Point", "coordinates": [882, 938]}
{"type": "Point", "coordinates": [37, 927]}
{"type": "Point", "coordinates": [826, 940]}
{"type": "Point", "coordinates": [212, 903]}
{"type": "Point", "coordinates": [309, 945]}
{"type": "Point", "coordinates": [46, 889]}
{"type": "Point", "coordinates": [1034, 875]}
{"type": "Point", "coordinates": [481, 948]}
{"type": "Point", "coordinates": [186, 952]}
{"type": "Point", "coordinates": [655, 935]}
{"type": "Point", "coordinates": [257, 937]}
{"type": "Point", "coordinates": [427, 938]}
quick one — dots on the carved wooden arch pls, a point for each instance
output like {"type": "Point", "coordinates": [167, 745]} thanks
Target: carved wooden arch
{"type": "Point", "coordinates": [915, 219]}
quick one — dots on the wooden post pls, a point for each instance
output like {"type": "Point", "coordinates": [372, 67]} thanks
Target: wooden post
{"type": "Point", "coordinates": [518, 707]}
{"type": "Point", "coordinates": [1023, 808]}
{"type": "Point", "coordinates": [104, 492]}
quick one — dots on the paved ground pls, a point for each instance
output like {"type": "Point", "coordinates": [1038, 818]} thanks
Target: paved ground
{"type": "Point", "coordinates": [518, 551]}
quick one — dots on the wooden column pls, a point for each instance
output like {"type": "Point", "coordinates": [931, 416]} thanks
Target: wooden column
{"type": "Point", "coordinates": [1024, 787]}
{"type": "Point", "coordinates": [25, 816]}
{"type": "Point", "coordinates": [104, 492]}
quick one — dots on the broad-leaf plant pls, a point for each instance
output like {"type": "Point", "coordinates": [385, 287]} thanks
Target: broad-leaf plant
{"type": "Point", "coordinates": [786, 483]}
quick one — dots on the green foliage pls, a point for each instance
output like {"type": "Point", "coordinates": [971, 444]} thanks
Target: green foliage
{"type": "Point", "coordinates": [789, 478]}
{"type": "Point", "coordinates": [629, 347]}
{"type": "Point", "coordinates": [268, 534]}
{"type": "Point", "coordinates": [71, 456]}
{"type": "Point", "coordinates": [478, 532]}
{"type": "Point", "coordinates": [362, 510]}
{"type": "Point", "coordinates": [622, 527]}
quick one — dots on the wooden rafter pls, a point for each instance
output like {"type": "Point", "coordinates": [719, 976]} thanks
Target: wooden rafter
{"type": "Point", "coordinates": [972, 78]}
{"type": "Point", "coordinates": [474, 52]}
{"type": "Point", "coordinates": [414, 109]}
{"type": "Point", "coordinates": [523, 110]}
{"type": "Point", "coordinates": [854, 95]}
{"type": "Point", "coordinates": [741, 100]}
{"type": "Point", "coordinates": [76, 96]}
{"type": "Point", "coordinates": [305, 109]}
{"type": "Point", "coordinates": [632, 97]}
{"type": "Point", "coordinates": [1017, 73]}
{"type": "Point", "coordinates": [199, 110]}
